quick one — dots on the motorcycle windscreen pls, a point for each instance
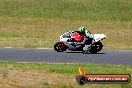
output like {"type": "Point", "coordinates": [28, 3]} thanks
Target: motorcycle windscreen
{"type": "Point", "coordinates": [77, 37]}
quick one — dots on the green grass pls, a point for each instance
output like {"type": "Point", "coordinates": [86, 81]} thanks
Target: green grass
{"type": "Point", "coordinates": [32, 23]}
{"type": "Point", "coordinates": [56, 75]}
{"type": "Point", "coordinates": [113, 10]}
{"type": "Point", "coordinates": [71, 68]}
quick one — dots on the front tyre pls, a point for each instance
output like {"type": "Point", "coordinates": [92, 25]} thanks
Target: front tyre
{"type": "Point", "coordinates": [60, 47]}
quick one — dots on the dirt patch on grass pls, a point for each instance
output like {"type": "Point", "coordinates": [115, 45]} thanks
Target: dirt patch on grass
{"type": "Point", "coordinates": [33, 79]}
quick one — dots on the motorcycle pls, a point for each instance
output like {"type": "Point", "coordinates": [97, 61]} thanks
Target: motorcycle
{"type": "Point", "coordinates": [70, 41]}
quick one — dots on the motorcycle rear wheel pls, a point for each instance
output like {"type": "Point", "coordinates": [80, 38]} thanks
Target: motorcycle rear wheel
{"type": "Point", "coordinates": [96, 47]}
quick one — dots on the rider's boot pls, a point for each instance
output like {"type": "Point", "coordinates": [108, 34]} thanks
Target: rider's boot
{"type": "Point", "coordinates": [86, 49]}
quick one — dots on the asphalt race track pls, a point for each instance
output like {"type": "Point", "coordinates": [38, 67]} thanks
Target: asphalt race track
{"type": "Point", "coordinates": [49, 55]}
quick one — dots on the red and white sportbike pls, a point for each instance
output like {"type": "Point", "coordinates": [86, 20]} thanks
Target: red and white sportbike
{"type": "Point", "coordinates": [71, 41]}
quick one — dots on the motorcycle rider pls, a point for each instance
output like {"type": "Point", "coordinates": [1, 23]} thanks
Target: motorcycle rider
{"type": "Point", "coordinates": [88, 37]}
{"type": "Point", "coordinates": [87, 41]}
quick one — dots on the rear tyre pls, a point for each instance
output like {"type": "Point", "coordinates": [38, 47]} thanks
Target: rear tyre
{"type": "Point", "coordinates": [96, 47]}
{"type": "Point", "coordinates": [100, 46]}
{"type": "Point", "coordinates": [60, 47]}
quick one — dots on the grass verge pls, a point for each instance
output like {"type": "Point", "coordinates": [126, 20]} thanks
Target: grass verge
{"type": "Point", "coordinates": [43, 75]}
{"type": "Point", "coordinates": [31, 23]}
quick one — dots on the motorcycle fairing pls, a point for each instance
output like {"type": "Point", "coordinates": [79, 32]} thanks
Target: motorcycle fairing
{"type": "Point", "coordinates": [77, 37]}
{"type": "Point", "coordinates": [98, 37]}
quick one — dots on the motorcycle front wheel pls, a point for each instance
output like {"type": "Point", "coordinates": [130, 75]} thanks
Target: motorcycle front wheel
{"type": "Point", "coordinates": [60, 47]}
